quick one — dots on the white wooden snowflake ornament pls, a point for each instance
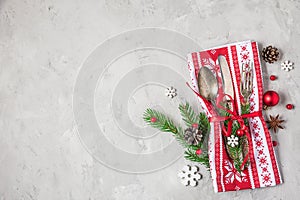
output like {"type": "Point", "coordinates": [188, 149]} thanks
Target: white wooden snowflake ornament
{"type": "Point", "coordinates": [232, 141]}
{"type": "Point", "coordinates": [190, 175]}
{"type": "Point", "coordinates": [287, 65]}
{"type": "Point", "coordinates": [170, 92]}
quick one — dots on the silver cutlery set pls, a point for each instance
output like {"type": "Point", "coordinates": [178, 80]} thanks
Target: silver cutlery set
{"type": "Point", "coordinates": [208, 84]}
{"type": "Point", "coordinates": [208, 89]}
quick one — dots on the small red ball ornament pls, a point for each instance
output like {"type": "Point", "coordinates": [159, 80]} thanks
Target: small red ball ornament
{"type": "Point", "coordinates": [198, 151]}
{"type": "Point", "coordinates": [153, 119]}
{"type": "Point", "coordinates": [240, 132]}
{"type": "Point", "coordinates": [271, 98]}
{"type": "Point", "coordinates": [289, 106]}
{"type": "Point", "coordinates": [274, 143]}
{"type": "Point", "coordinates": [195, 125]}
{"type": "Point", "coordinates": [273, 77]}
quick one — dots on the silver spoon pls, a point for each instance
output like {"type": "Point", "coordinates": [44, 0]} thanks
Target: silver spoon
{"type": "Point", "coordinates": [208, 84]}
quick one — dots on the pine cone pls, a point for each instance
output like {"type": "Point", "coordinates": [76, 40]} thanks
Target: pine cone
{"type": "Point", "coordinates": [192, 136]}
{"type": "Point", "coordinates": [270, 54]}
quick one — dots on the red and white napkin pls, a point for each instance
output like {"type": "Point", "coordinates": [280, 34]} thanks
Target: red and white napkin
{"type": "Point", "coordinates": [263, 170]}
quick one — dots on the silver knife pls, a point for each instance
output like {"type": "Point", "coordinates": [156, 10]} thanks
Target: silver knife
{"type": "Point", "coordinates": [228, 89]}
{"type": "Point", "coordinates": [226, 76]}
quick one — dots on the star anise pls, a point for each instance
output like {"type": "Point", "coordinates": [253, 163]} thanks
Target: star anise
{"type": "Point", "coordinates": [275, 123]}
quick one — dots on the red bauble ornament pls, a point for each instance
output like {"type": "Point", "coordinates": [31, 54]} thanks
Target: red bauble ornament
{"type": "Point", "coordinates": [273, 77]}
{"type": "Point", "coordinates": [153, 119]}
{"type": "Point", "coordinates": [198, 151]}
{"type": "Point", "coordinates": [289, 106]}
{"type": "Point", "coordinates": [271, 98]}
{"type": "Point", "coordinates": [274, 143]}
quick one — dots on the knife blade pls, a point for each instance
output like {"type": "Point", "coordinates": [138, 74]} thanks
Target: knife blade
{"type": "Point", "coordinates": [226, 76]}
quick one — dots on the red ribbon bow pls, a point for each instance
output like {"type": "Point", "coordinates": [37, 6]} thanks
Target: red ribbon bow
{"type": "Point", "coordinates": [234, 116]}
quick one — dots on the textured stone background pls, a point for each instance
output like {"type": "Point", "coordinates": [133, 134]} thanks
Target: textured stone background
{"type": "Point", "coordinates": [43, 44]}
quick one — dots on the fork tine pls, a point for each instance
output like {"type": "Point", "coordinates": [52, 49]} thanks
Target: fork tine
{"type": "Point", "coordinates": [244, 76]}
{"type": "Point", "coordinates": [251, 76]}
{"type": "Point", "coordinates": [241, 81]}
{"type": "Point", "coordinates": [247, 80]}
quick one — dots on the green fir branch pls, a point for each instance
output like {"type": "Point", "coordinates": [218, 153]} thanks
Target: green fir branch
{"type": "Point", "coordinates": [245, 108]}
{"type": "Point", "coordinates": [235, 152]}
{"type": "Point", "coordinates": [188, 114]}
{"type": "Point", "coordinates": [180, 138]}
{"type": "Point", "coordinates": [162, 122]}
{"type": "Point", "coordinates": [191, 155]}
{"type": "Point", "coordinates": [203, 122]}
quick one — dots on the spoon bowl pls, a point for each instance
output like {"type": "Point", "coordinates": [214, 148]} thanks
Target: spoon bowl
{"type": "Point", "coordinates": [208, 84]}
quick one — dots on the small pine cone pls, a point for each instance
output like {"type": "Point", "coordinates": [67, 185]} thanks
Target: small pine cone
{"type": "Point", "coordinates": [192, 136]}
{"type": "Point", "coordinates": [270, 54]}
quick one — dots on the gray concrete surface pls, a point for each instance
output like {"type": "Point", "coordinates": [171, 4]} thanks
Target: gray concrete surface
{"type": "Point", "coordinates": [71, 108]}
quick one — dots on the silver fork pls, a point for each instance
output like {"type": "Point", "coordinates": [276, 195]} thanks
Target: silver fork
{"type": "Point", "coordinates": [246, 91]}
{"type": "Point", "coordinates": [247, 82]}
